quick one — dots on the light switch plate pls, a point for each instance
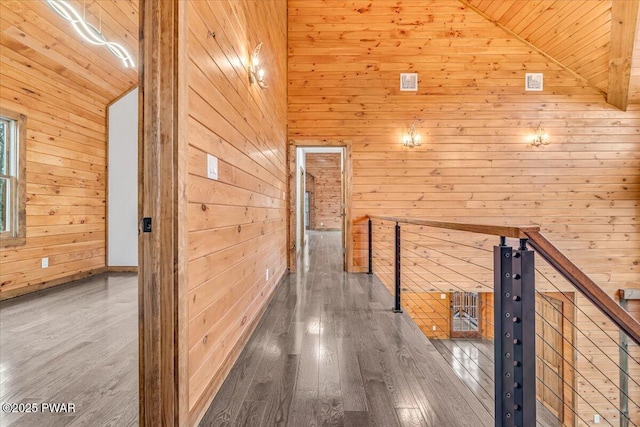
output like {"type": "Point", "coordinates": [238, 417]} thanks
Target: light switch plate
{"type": "Point", "coordinates": [212, 167]}
{"type": "Point", "coordinates": [45, 262]}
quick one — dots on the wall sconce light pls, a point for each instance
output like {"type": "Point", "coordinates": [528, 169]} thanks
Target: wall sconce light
{"type": "Point", "coordinates": [88, 32]}
{"type": "Point", "coordinates": [256, 72]}
{"type": "Point", "coordinates": [540, 137]}
{"type": "Point", "coordinates": [412, 138]}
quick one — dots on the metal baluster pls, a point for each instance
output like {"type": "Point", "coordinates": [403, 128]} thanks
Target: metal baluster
{"type": "Point", "coordinates": [397, 308]}
{"type": "Point", "coordinates": [370, 247]}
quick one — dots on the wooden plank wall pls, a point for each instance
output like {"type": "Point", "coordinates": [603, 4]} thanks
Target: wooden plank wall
{"type": "Point", "coordinates": [325, 168]}
{"type": "Point", "coordinates": [63, 87]}
{"type": "Point", "coordinates": [576, 33]}
{"type": "Point", "coordinates": [237, 225]}
{"type": "Point", "coordinates": [431, 312]}
{"type": "Point", "coordinates": [474, 117]}
{"type": "Point", "coordinates": [486, 315]}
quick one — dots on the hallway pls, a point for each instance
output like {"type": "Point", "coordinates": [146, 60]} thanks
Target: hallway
{"type": "Point", "coordinates": [329, 351]}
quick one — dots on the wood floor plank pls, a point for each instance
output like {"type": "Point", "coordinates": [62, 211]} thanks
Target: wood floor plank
{"type": "Point", "coordinates": [76, 343]}
{"type": "Point", "coordinates": [472, 360]}
{"type": "Point", "coordinates": [342, 358]}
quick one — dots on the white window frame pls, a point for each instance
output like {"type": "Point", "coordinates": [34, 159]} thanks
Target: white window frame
{"type": "Point", "coordinates": [15, 177]}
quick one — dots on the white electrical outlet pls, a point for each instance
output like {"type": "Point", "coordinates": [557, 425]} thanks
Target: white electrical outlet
{"type": "Point", "coordinates": [433, 327]}
{"type": "Point", "coordinates": [267, 274]}
{"type": "Point", "coordinates": [596, 419]}
{"type": "Point", "coordinates": [45, 262]}
{"type": "Point", "coordinates": [443, 296]}
{"type": "Point", "coordinates": [212, 167]}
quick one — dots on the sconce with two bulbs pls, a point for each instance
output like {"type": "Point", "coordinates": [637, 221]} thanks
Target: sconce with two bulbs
{"type": "Point", "coordinates": [256, 72]}
{"type": "Point", "coordinates": [412, 138]}
{"type": "Point", "coordinates": [540, 137]}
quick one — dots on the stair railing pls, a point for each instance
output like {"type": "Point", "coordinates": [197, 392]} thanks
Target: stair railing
{"type": "Point", "coordinates": [515, 316]}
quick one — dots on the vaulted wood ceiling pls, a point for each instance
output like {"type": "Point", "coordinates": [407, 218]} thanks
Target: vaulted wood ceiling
{"type": "Point", "coordinates": [577, 34]}
{"type": "Point", "coordinates": [42, 38]}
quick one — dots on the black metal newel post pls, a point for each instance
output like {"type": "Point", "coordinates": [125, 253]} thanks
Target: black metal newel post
{"type": "Point", "coordinates": [503, 334]}
{"type": "Point", "coordinates": [524, 330]}
{"type": "Point", "coordinates": [514, 335]}
{"type": "Point", "coordinates": [370, 247]}
{"type": "Point", "coordinates": [397, 307]}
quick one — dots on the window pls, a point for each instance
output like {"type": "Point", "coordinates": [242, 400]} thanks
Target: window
{"type": "Point", "coordinates": [12, 178]}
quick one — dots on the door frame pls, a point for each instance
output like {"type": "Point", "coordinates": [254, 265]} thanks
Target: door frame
{"type": "Point", "coordinates": [293, 208]}
{"type": "Point", "coordinates": [300, 200]}
{"type": "Point", "coordinates": [477, 334]}
{"type": "Point", "coordinates": [162, 175]}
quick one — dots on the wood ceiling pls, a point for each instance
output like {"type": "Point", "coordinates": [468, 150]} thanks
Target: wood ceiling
{"type": "Point", "coordinates": [577, 34]}
{"type": "Point", "coordinates": [41, 38]}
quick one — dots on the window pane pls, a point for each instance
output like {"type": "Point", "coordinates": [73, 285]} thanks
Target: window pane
{"type": "Point", "coordinates": [4, 204]}
{"type": "Point", "coordinates": [4, 146]}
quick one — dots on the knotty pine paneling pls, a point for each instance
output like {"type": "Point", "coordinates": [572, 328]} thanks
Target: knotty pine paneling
{"type": "Point", "coordinates": [325, 168]}
{"type": "Point", "coordinates": [431, 312]}
{"type": "Point", "coordinates": [575, 33]}
{"type": "Point", "coordinates": [63, 86]}
{"type": "Point", "coordinates": [475, 164]}
{"type": "Point", "coordinates": [237, 224]}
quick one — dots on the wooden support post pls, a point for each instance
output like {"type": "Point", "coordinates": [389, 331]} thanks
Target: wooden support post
{"type": "Point", "coordinates": [163, 350]}
{"type": "Point", "coordinates": [624, 21]}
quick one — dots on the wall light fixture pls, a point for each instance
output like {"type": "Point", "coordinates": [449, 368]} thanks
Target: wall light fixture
{"type": "Point", "coordinates": [540, 137]}
{"type": "Point", "coordinates": [256, 72]}
{"type": "Point", "coordinates": [412, 138]}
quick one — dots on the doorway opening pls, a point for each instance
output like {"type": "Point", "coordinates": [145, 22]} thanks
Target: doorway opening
{"type": "Point", "coordinates": [321, 196]}
{"type": "Point", "coordinates": [465, 315]}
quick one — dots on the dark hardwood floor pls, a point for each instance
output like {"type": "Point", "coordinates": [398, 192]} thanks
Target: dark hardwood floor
{"type": "Point", "coordinates": [472, 361]}
{"type": "Point", "coordinates": [76, 343]}
{"type": "Point", "coordinates": [329, 351]}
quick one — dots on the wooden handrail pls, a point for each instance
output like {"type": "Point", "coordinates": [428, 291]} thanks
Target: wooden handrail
{"type": "Point", "coordinates": [587, 287]}
{"type": "Point", "coordinates": [494, 230]}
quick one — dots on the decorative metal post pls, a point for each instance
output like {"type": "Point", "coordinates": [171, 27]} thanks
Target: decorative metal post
{"type": "Point", "coordinates": [503, 334]}
{"type": "Point", "coordinates": [397, 308]}
{"type": "Point", "coordinates": [514, 335]}
{"type": "Point", "coordinates": [370, 247]}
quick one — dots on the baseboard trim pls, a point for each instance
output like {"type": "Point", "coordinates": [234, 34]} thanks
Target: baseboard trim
{"type": "Point", "coordinates": [13, 293]}
{"type": "Point", "coordinates": [125, 269]}
{"type": "Point", "coordinates": [200, 408]}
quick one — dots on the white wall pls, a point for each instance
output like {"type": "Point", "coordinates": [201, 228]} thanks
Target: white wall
{"type": "Point", "coordinates": [122, 211]}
